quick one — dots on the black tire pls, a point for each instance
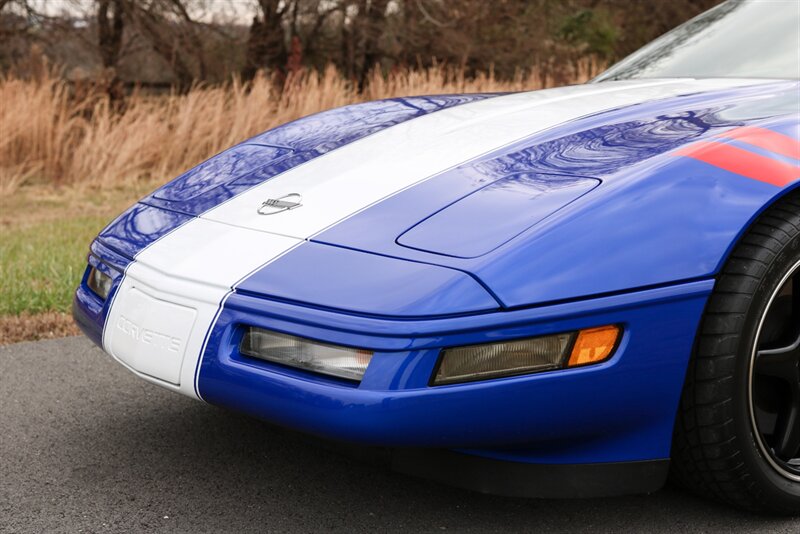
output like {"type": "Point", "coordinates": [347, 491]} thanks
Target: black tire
{"type": "Point", "coordinates": [718, 450]}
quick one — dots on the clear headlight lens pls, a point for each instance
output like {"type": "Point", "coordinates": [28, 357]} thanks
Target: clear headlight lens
{"type": "Point", "coordinates": [99, 282]}
{"type": "Point", "coordinates": [525, 356]}
{"type": "Point", "coordinates": [477, 362]}
{"type": "Point", "coordinates": [292, 351]}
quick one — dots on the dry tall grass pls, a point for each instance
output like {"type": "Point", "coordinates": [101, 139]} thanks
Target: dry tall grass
{"type": "Point", "coordinates": [49, 135]}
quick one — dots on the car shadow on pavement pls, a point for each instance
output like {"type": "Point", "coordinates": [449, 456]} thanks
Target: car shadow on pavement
{"type": "Point", "coordinates": [87, 446]}
{"type": "Point", "coordinates": [213, 461]}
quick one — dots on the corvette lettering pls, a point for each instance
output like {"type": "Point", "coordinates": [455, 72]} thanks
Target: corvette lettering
{"type": "Point", "coordinates": [147, 336]}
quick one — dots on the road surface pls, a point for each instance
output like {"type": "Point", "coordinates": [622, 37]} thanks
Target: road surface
{"type": "Point", "coordinates": [87, 447]}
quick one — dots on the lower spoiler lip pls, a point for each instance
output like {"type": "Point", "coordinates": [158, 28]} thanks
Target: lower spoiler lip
{"type": "Point", "coordinates": [481, 472]}
{"type": "Point", "coordinates": [531, 480]}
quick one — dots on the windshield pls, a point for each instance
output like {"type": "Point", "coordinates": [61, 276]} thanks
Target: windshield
{"type": "Point", "coordinates": [737, 39]}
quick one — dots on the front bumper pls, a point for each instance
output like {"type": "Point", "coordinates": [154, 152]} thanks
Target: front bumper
{"type": "Point", "coordinates": [622, 410]}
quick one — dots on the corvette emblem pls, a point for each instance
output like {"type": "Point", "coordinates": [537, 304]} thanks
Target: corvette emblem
{"type": "Point", "coordinates": [271, 206]}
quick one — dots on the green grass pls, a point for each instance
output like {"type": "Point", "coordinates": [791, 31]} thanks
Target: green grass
{"type": "Point", "coordinates": [41, 263]}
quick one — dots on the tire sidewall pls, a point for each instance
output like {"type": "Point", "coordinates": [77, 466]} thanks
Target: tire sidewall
{"type": "Point", "coordinates": [777, 487]}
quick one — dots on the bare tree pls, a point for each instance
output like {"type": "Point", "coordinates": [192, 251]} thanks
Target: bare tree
{"type": "Point", "coordinates": [266, 44]}
{"type": "Point", "coordinates": [176, 41]}
{"type": "Point", "coordinates": [110, 26]}
{"type": "Point", "coordinates": [173, 35]}
{"type": "Point", "coordinates": [372, 21]}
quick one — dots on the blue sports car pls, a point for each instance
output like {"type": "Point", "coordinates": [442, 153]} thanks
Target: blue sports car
{"type": "Point", "coordinates": [566, 293]}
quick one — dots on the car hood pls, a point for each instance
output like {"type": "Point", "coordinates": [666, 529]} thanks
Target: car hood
{"type": "Point", "coordinates": [361, 174]}
{"type": "Point", "coordinates": [508, 201]}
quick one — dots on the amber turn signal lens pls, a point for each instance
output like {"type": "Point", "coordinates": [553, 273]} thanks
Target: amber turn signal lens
{"type": "Point", "coordinates": [526, 356]}
{"type": "Point", "coordinates": [594, 345]}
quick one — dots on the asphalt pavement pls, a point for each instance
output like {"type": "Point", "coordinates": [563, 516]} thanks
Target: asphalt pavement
{"type": "Point", "coordinates": [87, 447]}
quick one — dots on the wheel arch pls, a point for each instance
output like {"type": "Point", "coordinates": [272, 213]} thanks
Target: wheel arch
{"type": "Point", "coordinates": [779, 196]}
{"type": "Point", "coordinates": [709, 452]}
{"type": "Point", "coordinates": [782, 194]}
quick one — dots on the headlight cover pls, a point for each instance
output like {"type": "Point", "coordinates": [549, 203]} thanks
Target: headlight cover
{"type": "Point", "coordinates": [99, 282]}
{"type": "Point", "coordinates": [333, 360]}
{"type": "Point", "coordinates": [526, 356]}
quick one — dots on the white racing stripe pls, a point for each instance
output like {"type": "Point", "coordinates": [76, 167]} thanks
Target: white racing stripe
{"type": "Point", "coordinates": [194, 267]}
{"type": "Point", "coordinates": [360, 174]}
{"type": "Point", "coordinates": [170, 295]}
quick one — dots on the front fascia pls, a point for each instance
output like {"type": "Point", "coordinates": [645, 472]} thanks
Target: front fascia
{"type": "Point", "coordinates": [167, 221]}
{"type": "Point", "coordinates": [621, 410]}
{"type": "Point", "coordinates": [178, 257]}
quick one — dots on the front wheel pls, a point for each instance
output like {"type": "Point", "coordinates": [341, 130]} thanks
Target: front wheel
{"type": "Point", "coordinates": [737, 436]}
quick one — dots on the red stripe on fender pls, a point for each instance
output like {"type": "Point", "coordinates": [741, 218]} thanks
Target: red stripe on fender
{"type": "Point", "coordinates": [742, 162]}
{"type": "Point", "coordinates": [766, 139]}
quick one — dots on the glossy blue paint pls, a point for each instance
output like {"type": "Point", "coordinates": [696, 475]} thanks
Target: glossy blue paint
{"type": "Point", "coordinates": [646, 225]}
{"type": "Point", "coordinates": [424, 269]}
{"type": "Point", "coordinates": [223, 168]}
{"type": "Point", "coordinates": [257, 160]}
{"type": "Point", "coordinates": [276, 151]}
{"type": "Point", "coordinates": [761, 151]}
{"type": "Point", "coordinates": [482, 221]}
{"type": "Point", "coordinates": [621, 410]}
{"type": "Point", "coordinates": [788, 127]}
{"type": "Point", "coordinates": [367, 284]}
{"type": "Point", "coordinates": [89, 312]}
{"type": "Point", "coordinates": [238, 169]}
{"type": "Point", "coordinates": [88, 309]}
{"type": "Point", "coordinates": [137, 227]}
